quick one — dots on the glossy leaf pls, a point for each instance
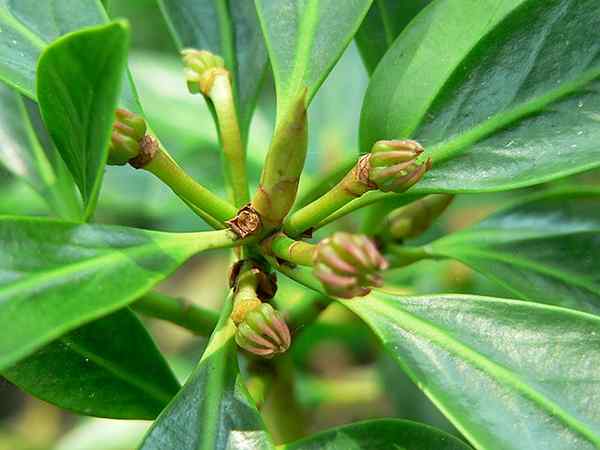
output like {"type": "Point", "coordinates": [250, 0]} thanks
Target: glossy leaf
{"type": "Point", "coordinates": [56, 276]}
{"type": "Point", "coordinates": [305, 38]}
{"type": "Point", "coordinates": [382, 25]}
{"type": "Point", "coordinates": [230, 29]}
{"type": "Point", "coordinates": [108, 368]}
{"type": "Point", "coordinates": [545, 249]}
{"type": "Point", "coordinates": [78, 85]}
{"type": "Point", "coordinates": [213, 411]}
{"type": "Point", "coordinates": [509, 375]}
{"type": "Point", "coordinates": [28, 26]}
{"type": "Point", "coordinates": [502, 97]}
{"type": "Point", "coordinates": [23, 155]}
{"type": "Point", "coordinates": [383, 434]}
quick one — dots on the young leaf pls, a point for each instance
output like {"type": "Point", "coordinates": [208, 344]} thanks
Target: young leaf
{"type": "Point", "coordinates": [56, 276]}
{"type": "Point", "coordinates": [108, 368]}
{"type": "Point", "coordinates": [22, 154]}
{"type": "Point", "coordinates": [229, 29]}
{"type": "Point", "coordinates": [213, 410]}
{"type": "Point", "coordinates": [544, 249]}
{"type": "Point", "coordinates": [509, 375]}
{"type": "Point", "coordinates": [502, 97]}
{"type": "Point", "coordinates": [78, 85]}
{"type": "Point", "coordinates": [305, 39]}
{"type": "Point", "coordinates": [28, 26]}
{"type": "Point", "coordinates": [382, 434]}
{"type": "Point", "coordinates": [383, 23]}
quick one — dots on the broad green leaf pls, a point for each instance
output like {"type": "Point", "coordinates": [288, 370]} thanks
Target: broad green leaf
{"type": "Point", "coordinates": [383, 434]}
{"type": "Point", "coordinates": [28, 26]}
{"type": "Point", "coordinates": [502, 97]}
{"type": "Point", "coordinates": [78, 85]}
{"type": "Point", "coordinates": [23, 155]}
{"type": "Point", "coordinates": [305, 38]}
{"type": "Point", "coordinates": [510, 375]}
{"type": "Point", "coordinates": [228, 28]}
{"type": "Point", "coordinates": [213, 411]}
{"type": "Point", "coordinates": [108, 368]}
{"type": "Point", "coordinates": [56, 276]}
{"type": "Point", "coordinates": [545, 249]}
{"type": "Point", "coordinates": [382, 25]}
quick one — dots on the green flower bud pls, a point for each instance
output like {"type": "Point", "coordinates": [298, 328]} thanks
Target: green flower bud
{"type": "Point", "coordinates": [201, 67]}
{"type": "Point", "coordinates": [394, 165]}
{"type": "Point", "coordinates": [415, 218]}
{"type": "Point", "coordinates": [129, 130]}
{"type": "Point", "coordinates": [263, 332]}
{"type": "Point", "coordinates": [348, 265]}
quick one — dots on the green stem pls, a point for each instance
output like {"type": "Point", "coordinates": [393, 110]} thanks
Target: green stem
{"type": "Point", "coordinates": [297, 252]}
{"type": "Point", "coordinates": [234, 161]}
{"type": "Point", "coordinates": [404, 255]}
{"type": "Point", "coordinates": [190, 191]}
{"type": "Point", "coordinates": [306, 310]}
{"type": "Point", "coordinates": [324, 184]}
{"type": "Point", "coordinates": [198, 320]}
{"type": "Point", "coordinates": [367, 199]}
{"type": "Point", "coordinates": [283, 165]}
{"type": "Point", "coordinates": [349, 188]}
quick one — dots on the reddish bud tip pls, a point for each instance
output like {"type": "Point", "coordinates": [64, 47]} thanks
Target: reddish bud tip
{"type": "Point", "coordinates": [263, 332]}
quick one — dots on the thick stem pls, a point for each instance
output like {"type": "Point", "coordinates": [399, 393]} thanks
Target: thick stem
{"type": "Point", "coordinates": [404, 255]}
{"type": "Point", "coordinates": [297, 252]}
{"type": "Point", "coordinates": [234, 160]}
{"type": "Point", "coordinates": [198, 320]}
{"type": "Point", "coordinates": [245, 298]}
{"type": "Point", "coordinates": [190, 191]}
{"type": "Point", "coordinates": [351, 187]}
{"type": "Point", "coordinates": [283, 165]}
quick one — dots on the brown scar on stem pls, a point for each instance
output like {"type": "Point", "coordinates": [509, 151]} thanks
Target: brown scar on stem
{"type": "Point", "coordinates": [246, 222]}
{"type": "Point", "coordinates": [148, 150]}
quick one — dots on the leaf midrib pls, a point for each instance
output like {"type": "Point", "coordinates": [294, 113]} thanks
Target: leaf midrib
{"type": "Point", "coordinates": [566, 278]}
{"type": "Point", "coordinates": [440, 337]}
{"type": "Point", "coordinates": [459, 143]}
{"type": "Point", "coordinates": [34, 39]}
{"type": "Point", "coordinates": [158, 394]}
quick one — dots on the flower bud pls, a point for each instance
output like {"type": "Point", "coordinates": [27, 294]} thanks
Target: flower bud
{"type": "Point", "coordinates": [415, 218]}
{"type": "Point", "coordinates": [129, 130]}
{"type": "Point", "coordinates": [201, 67]}
{"type": "Point", "coordinates": [394, 165]}
{"type": "Point", "coordinates": [263, 332]}
{"type": "Point", "coordinates": [348, 265]}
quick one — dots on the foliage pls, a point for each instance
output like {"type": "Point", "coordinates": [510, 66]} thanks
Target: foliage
{"type": "Point", "coordinates": [464, 98]}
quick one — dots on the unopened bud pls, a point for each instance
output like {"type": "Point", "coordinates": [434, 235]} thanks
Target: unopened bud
{"type": "Point", "coordinates": [415, 218]}
{"type": "Point", "coordinates": [201, 67]}
{"type": "Point", "coordinates": [348, 265]}
{"type": "Point", "coordinates": [128, 132]}
{"type": "Point", "coordinates": [263, 332]}
{"type": "Point", "coordinates": [394, 165]}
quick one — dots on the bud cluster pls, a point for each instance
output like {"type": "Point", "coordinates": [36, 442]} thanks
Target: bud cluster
{"type": "Point", "coordinates": [263, 332]}
{"type": "Point", "coordinates": [348, 265]}
{"type": "Point", "coordinates": [201, 67]}
{"type": "Point", "coordinates": [129, 131]}
{"type": "Point", "coordinates": [395, 165]}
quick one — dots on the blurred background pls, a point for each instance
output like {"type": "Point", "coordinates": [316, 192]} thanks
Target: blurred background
{"type": "Point", "coordinates": [340, 376]}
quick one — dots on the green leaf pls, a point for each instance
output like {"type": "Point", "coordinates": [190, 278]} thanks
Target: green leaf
{"type": "Point", "coordinates": [503, 97]}
{"type": "Point", "coordinates": [229, 29]}
{"type": "Point", "coordinates": [382, 25]}
{"type": "Point", "coordinates": [382, 434]}
{"type": "Point", "coordinates": [78, 85]}
{"type": "Point", "coordinates": [543, 249]}
{"type": "Point", "coordinates": [509, 375]}
{"type": "Point", "coordinates": [28, 26]}
{"type": "Point", "coordinates": [213, 411]}
{"type": "Point", "coordinates": [305, 38]}
{"type": "Point", "coordinates": [22, 154]}
{"type": "Point", "coordinates": [108, 368]}
{"type": "Point", "coordinates": [56, 276]}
